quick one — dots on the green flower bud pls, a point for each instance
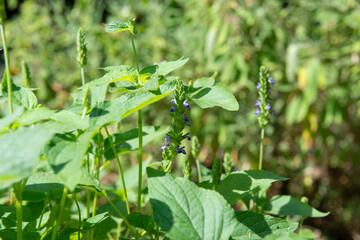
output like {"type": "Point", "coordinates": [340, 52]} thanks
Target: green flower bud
{"type": "Point", "coordinates": [27, 76]}
{"type": "Point", "coordinates": [216, 172]}
{"type": "Point", "coordinates": [228, 163]}
{"type": "Point", "coordinates": [82, 50]}
{"type": "Point", "coordinates": [195, 147]}
{"type": "Point", "coordinates": [187, 169]}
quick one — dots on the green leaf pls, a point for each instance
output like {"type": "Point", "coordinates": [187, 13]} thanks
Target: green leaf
{"type": "Point", "coordinates": [235, 185]}
{"type": "Point", "coordinates": [185, 211]}
{"type": "Point", "coordinates": [20, 153]}
{"type": "Point", "coordinates": [42, 185]}
{"type": "Point", "coordinates": [129, 141]}
{"type": "Point", "coordinates": [11, 118]}
{"type": "Point", "coordinates": [65, 155]}
{"type": "Point", "coordinates": [20, 96]}
{"type": "Point", "coordinates": [141, 221]}
{"type": "Point", "coordinates": [119, 108]}
{"type": "Point", "coordinates": [206, 82]}
{"type": "Point", "coordinates": [285, 236]}
{"type": "Point", "coordinates": [164, 68]}
{"type": "Point", "coordinates": [95, 221]}
{"type": "Point", "coordinates": [61, 116]}
{"type": "Point", "coordinates": [254, 225]}
{"type": "Point", "coordinates": [117, 26]}
{"type": "Point", "coordinates": [217, 95]}
{"type": "Point", "coordinates": [289, 206]}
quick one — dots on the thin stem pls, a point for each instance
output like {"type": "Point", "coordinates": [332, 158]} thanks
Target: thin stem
{"type": "Point", "coordinates": [7, 65]}
{"type": "Point", "coordinates": [120, 169]}
{"type": "Point", "coordinates": [56, 223]}
{"type": "Point", "coordinates": [261, 148]}
{"type": "Point", "coordinates": [198, 170]}
{"type": "Point", "coordinates": [84, 113]}
{"type": "Point", "coordinates": [93, 215]}
{"type": "Point", "coordinates": [78, 207]}
{"type": "Point", "coordinates": [301, 222]}
{"type": "Point", "coordinates": [19, 216]}
{"type": "Point", "coordinates": [88, 210]}
{"type": "Point", "coordinates": [135, 55]}
{"type": "Point", "coordinates": [120, 214]}
{"type": "Point", "coordinates": [82, 76]}
{"type": "Point", "coordinates": [140, 133]}
{"type": "Point", "coordinates": [42, 213]}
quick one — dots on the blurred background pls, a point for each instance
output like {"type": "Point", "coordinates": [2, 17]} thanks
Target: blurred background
{"type": "Point", "coordinates": [311, 48]}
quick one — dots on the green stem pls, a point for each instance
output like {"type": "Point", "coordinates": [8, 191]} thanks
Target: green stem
{"type": "Point", "coordinates": [120, 169]}
{"type": "Point", "coordinates": [120, 214]}
{"type": "Point", "coordinates": [301, 222]}
{"type": "Point", "coordinates": [135, 55]}
{"type": "Point", "coordinates": [58, 220]}
{"type": "Point", "coordinates": [93, 215]}
{"type": "Point", "coordinates": [261, 148]}
{"type": "Point", "coordinates": [88, 210]}
{"type": "Point", "coordinates": [140, 131]}
{"type": "Point", "coordinates": [19, 217]}
{"type": "Point", "coordinates": [78, 207]}
{"type": "Point", "coordinates": [140, 159]}
{"type": "Point", "coordinates": [82, 76]}
{"type": "Point", "coordinates": [7, 65]}
{"type": "Point", "coordinates": [42, 213]}
{"type": "Point", "coordinates": [198, 170]}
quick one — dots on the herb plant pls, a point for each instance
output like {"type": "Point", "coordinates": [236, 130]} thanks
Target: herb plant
{"type": "Point", "coordinates": [53, 162]}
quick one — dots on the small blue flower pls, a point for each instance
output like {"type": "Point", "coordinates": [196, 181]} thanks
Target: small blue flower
{"type": "Point", "coordinates": [180, 150]}
{"type": "Point", "coordinates": [186, 104]}
{"type": "Point", "coordinates": [271, 81]}
{"type": "Point", "coordinates": [268, 107]}
{"type": "Point", "coordinates": [172, 109]}
{"type": "Point", "coordinates": [167, 139]}
{"type": "Point", "coordinates": [257, 112]}
{"type": "Point", "coordinates": [258, 86]}
{"type": "Point", "coordinates": [187, 136]}
{"type": "Point", "coordinates": [257, 103]}
{"type": "Point", "coordinates": [163, 147]}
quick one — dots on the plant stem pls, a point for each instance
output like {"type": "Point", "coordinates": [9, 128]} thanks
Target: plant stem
{"type": "Point", "coordinates": [78, 207]}
{"type": "Point", "coordinates": [82, 76]}
{"type": "Point", "coordinates": [140, 132]}
{"type": "Point", "coordinates": [56, 223]}
{"type": "Point", "coordinates": [261, 148]}
{"type": "Point", "coordinates": [7, 65]}
{"type": "Point", "coordinates": [198, 170]}
{"type": "Point", "coordinates": [93, 215]}
{"type": "Point", "coordinates": [140, 159]}
{"type": "Point", "coordinates": [135, 55]}
{"type": "Point", "coordinates": [88, 210]}
{"type": "Point", "coordinates": [19, 217]}
{"type": "Point", "coordinates": [42, 213]}
{"type": "Point", "coordinates": [120, 169]}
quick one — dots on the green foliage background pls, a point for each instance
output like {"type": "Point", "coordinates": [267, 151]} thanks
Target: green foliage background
{"type": "Point", "coordinates": [312, 49]}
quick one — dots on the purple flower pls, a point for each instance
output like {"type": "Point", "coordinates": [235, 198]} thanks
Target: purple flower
{"type": "Point", "coordinates": [186, 104]}
{"type": "Point", "coordinates": [187, 136]}
{"type": "Point", "coordinates": [268, 107]}
{"type": "Point", "coordinates": [258, 86]}
{"type": "Point", "coordinates": [257, 103]}
{"type": "Point", "coordinates": [271, 81]}
{"type": "Point", "coordinates": [172, 109]}
{"type": "Point", "coordinates": [180, 150]}
{"type": "Point", "coordinates": [163, 147]}
{"type": "Point", "coordinates": [167, 139]}
{"type": "Point", "coordinates": [257, 112]}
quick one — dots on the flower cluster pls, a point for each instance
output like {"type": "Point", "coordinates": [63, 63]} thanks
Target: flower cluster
{"type": "Point", "coordinates": [263, 104]}
{"type": "Point", "coordinates": [179, 113]}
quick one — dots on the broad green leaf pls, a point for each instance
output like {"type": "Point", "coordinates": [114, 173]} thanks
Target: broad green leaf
{"type": "Point", "coordinates": [206, 82]}
{"type": "Point", "coordinates": [129, 141]}
{"type": "Point", "coordinates": [11, 118]}
{"type": "Point", "coordinates": [65, 155]}
{"type": "Point", "coordinates": [20, 153]}
{"type": "Point", "coordinates": [254, 225]}
{"type": "Point", "coordinates": [218, 95]}
{"type": "Point", "coordinates": [43, 184]}
{"type": "Point", "coordinates": [164, 68]}
{"type": "Point", "coordinates": [62, 116]}
{"type": "Point", "coordinates": [235, 185]}
{"type": "Point", "coordinates": [289, 206]}
{"type": "Point", "coordinates": [95, 221]}
{"type": "Point", "coordinates": [143, 221]}
{"type": "Point", "coordinates": [117, 26]}
{"type": "Point", "coordinates": [119, 108]}
{"type": "Point", "coordinates": [185, 211]}
{"type": "Point", "coordinates": [20, 96]}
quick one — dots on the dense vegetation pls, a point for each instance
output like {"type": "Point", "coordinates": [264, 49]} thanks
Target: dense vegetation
{"type": "Point", "coordinates": [310, 47]}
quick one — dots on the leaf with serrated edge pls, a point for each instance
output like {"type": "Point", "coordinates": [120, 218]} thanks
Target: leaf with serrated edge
{"type": "Point", "coordinates": [116, 26]}
{"type": "Point", "coordinates": [290, 206]}
{"type": "Point", "coordinates": [185, 211]}
{"type": "Point", "coordinates": [254, 225]}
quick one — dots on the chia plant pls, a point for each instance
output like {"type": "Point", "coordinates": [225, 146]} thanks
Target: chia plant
{"type": "Point", "coordinates": [263, 104]}
{"type": "Point", "coordinates": [173, 140]}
